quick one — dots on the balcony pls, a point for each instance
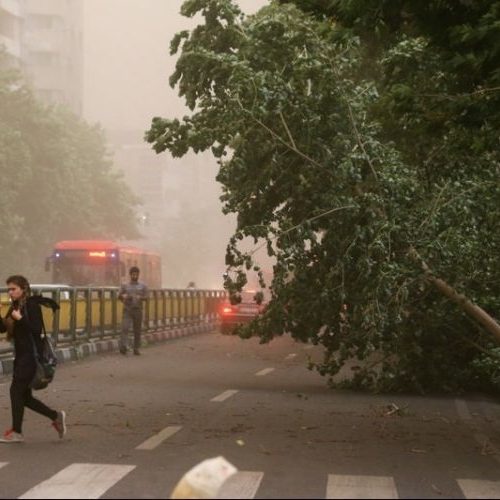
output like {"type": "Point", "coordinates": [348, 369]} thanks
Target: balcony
{"type": "Point", "coordinates": [12, 46]}
{"type": "Point", "coordinates": [46, 41]}
{"type": "Point", "coordinates": [11, 6]}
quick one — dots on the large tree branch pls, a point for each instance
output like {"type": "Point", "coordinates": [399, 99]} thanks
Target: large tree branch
{"type": "Point", "coordinates": [291, 145]}
{"type": "Point", "coordinates": [476, 312]}
{"type": "Point", "coordinates": [323, 214]}
{"type": "Point", "coordinates": [480, 92]}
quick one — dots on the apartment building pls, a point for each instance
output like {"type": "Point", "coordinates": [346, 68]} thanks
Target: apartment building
{"type": "Point", "coordinates": [144, 172]}
{"type": "Point", "coordinates": [52, 50]}
{"type": "Point", "coordinates": [45, 37]}
{"type": "Point", "coordinates": [10, 27]}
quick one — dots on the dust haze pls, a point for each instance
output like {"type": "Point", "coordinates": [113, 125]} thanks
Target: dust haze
{"type": "Point", "coordinates": [127, 66]}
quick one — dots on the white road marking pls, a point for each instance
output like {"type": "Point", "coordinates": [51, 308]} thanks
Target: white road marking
{"type": "Point", "coordinates": [242, 484]}
{"type": "Point", "coordinates": [157, 439]}
{"type": "Point", "coordinates": [3, 464]}
{"type": "Point", "coordinates": [473, 488]}
{"type": "Point", "coordinates": [80, 481]}
{"type": "Point", "coordinates": [291, 356]}
{"type": "Point", "coordinates": [462, 409]}
{"type": "Point", "coordinates": [482, 439]}
{"type": "Point", "coordinates": [360, 487]}
{"type": "Point", "coordinates": [265, 371]}
{"type": "Point", "coordinates": [225, 395]}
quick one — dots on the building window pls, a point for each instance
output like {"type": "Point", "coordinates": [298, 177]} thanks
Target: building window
{"type": "Point", "coordinates": [44, 22]}
{"type": "Point", "coordinates": [9, 25]}
{"type": "Point", "coordinates": [44, 59]}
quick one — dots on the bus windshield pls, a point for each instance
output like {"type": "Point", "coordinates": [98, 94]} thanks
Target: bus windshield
{"type": "Point", "coordinates": [101, 263]}
{"type": "Point", "coordinates": [83, 273]}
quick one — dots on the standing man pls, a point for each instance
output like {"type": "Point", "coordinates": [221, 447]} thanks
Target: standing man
{"type": "Point", "coordinates": [133, 294]}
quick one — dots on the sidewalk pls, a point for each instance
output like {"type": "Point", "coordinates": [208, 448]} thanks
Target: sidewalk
{"type": "Point", "coordinates": [84, 350]}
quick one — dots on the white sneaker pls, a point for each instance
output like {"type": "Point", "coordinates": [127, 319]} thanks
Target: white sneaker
{"type": "Point", "coordinates": [11, 437]}
{"type": "Point", "coordinates": [59, 423]}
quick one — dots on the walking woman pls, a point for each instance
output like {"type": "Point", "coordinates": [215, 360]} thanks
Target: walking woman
{"type": "Point", "coordinates": [23, 324]}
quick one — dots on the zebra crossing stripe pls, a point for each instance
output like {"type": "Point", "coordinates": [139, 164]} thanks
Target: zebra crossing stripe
{"type": "Point", "coordinates": [242, 484]}
{"type": "Point", "coordinates": [80, 481]}
{"type": "Point", "coordinates": [157, 439]}
{"type": "Point", "coordinates": [339, 486]}
{"type": "Point", "coordinates": [473, 488]}
{"type": "Point", "coordinates": [225, 395]}
{"type": "Point", "coordinates": [291, 356]}
{"type": "Point", "coordinates": [265, 371]}
{"type": "Point", "coordinates": [89, 481]}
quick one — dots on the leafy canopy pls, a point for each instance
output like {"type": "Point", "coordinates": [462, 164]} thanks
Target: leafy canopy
{"type": "Point", "coordinates": [345, 150]}
{"type": "Point", "coordinates": [57, 179]}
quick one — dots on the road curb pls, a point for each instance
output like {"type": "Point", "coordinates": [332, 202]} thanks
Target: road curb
{"type": "Point", "coordinates": [81, 351]}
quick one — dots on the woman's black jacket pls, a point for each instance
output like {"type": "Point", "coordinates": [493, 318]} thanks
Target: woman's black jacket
{"type": "Point", "coordinates": [27, 329]}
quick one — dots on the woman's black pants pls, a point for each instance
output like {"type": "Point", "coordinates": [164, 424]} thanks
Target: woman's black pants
{"type": "Point", "coordinates": [21, 396]}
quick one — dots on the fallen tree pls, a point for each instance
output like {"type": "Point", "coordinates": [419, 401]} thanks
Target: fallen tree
{"type": "Point", "coordinates": [340, 150]}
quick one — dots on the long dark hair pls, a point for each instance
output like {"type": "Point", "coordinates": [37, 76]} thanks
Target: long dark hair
{"type": "Point", "coordinates": [21, 282]}
{"type": "Point", "coordinates": [24, 285]}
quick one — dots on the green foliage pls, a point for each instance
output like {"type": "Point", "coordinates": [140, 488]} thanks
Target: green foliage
{"type": "Point", "coordinates": [346, 140]}
{"type": "Point", "coordinates": [58, 181]}
{"type": "Point", "coordinates": [486, 369]}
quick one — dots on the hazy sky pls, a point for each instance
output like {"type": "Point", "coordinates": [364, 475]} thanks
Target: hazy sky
{"type": "Point", "coordinates": [127, 61]}
{"type": "Point", "coordinates": [127, 66]}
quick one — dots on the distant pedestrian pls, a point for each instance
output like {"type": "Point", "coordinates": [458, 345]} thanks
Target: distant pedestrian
{"type": "Point", "coordinates": [24, 324]}
{"type": "Point", "coordinates": [133, 295]}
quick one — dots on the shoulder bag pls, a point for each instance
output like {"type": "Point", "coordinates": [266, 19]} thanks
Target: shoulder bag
{"type": "Point", "coordinates": [46, 362]}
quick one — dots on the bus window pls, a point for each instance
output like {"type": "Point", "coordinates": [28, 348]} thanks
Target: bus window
{"type": "Point", "coordinates": [82, 273]}
{"type": "Point", "coordinates": [97, 262]}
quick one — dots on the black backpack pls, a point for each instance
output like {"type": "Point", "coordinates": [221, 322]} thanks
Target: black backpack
{"type": "Point", "coordinates": [46, 359]}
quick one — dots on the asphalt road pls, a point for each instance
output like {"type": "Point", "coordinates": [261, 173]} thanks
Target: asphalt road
{"type": "Point", "coordinates": [137, 424]}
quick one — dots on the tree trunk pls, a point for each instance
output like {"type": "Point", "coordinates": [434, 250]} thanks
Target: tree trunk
{"type": "Point", "coordinates": [478, 314]}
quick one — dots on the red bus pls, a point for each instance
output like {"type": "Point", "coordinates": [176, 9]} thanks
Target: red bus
{"type": "Point", "coordinates": [101, 263]}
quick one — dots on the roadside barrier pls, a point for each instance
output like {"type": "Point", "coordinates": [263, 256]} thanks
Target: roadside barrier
{"type": "Point", "coordinates": [91, 314]}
